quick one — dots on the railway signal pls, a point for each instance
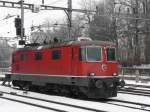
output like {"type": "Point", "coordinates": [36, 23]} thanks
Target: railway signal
{"type": "Point", "coordinates": [23, 6]}
{"type": "Point", "coordinates": [18, 30]}
{"type": "Point", "coordinates": [18, 26]}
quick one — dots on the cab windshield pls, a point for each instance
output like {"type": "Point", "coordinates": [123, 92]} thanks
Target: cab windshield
{"type": "Point", "coordinates": [90, 54]}
{"type": "Point", "coordinates": [111, 54]}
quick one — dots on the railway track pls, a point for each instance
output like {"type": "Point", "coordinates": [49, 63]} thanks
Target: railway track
{"type": "Point", "coordinates": [123, 103]}
{"type": "Point", "coordinates": [142, 86]}
{"type": "Point", "coordinates": [79, 108]}
{"type": "Point", "coordinates": [110, 101]}
{"type": "Point", "coordinates": [126, 102]}
{"type": "Point", "coordinates": [135, 91]}
{"type": "Point", "coordinates": [114, 102]}
{"type": "Point", "coordinates": [32, 104]}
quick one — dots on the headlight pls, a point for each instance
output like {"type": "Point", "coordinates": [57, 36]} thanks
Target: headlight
{"type": "Point", "coordinates": [92, 74]}
{"type": "Point", "coordinates": [114, 74]}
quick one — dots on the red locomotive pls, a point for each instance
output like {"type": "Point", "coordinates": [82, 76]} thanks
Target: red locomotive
{"type": "Point", "coordinates": [78, 67]}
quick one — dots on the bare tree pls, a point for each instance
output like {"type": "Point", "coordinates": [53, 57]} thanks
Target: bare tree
{"type": "Point", "coordinates": [5, 54]}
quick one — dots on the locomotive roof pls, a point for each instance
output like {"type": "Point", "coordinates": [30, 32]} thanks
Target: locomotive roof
{"type": "Point", "coordinates": [69, 43]}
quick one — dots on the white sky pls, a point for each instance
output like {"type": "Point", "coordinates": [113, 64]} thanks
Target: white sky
{"type": "Point", "coordinates": [7, 28]}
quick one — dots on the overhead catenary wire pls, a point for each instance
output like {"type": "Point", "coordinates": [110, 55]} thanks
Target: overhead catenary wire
{"type": "Point", "coordinates": [106, 15]}
{"type": "Point", "coordinates": [123, 17]}
{"type": "Point", "coordinates": [54, 2]}
{"type": "Point", "coordinates": [46, 7]}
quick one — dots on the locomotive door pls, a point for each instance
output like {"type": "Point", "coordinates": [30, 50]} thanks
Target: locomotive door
{"type": "Point", "coordinates": [75, 61]}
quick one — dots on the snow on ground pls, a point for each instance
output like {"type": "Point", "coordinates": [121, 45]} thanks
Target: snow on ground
{"type": "Point", "coordinates": [10, 106]}
{"type": "Point", "coordinates": [137, 83]}
{"type": "Point", "coordinates": [47, 104]}
{"type": "Point", "coordinates": [133, 98]}
{"type": "Point", "coordinates": [17, 107]}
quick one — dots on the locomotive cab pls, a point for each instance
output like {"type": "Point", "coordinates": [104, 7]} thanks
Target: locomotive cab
{"type": "Point", "coordinates": [98, 61]}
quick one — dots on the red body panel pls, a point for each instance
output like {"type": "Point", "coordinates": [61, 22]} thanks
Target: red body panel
{"type": "Point", "coordinates": [68, 65]}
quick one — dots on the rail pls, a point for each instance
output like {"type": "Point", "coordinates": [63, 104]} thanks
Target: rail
{"type": "Point", "coordinates": [135, 73]}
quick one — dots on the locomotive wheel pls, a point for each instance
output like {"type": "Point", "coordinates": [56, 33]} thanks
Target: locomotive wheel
{"type": "Point", "coordinates": [18, 83]}
{"type": "Point", "coordinates": [23, 85]}
{"type": "Point", "coordinates": [34, 88]}
{"type": "Point", "coordinates": [74, 91]}
{"type": "Point", "coordinates": [14, 83]}
{"type": "Point", "coordinates": [84, 92]}
{"type": "Point", "coordinates": [20, 87]}
{"type": "Point", "coordinates": [57, 89]}
{"type": "Point", "coordinates": [42, 88]}
{"type": "Point", "coordinates": [64, 90]}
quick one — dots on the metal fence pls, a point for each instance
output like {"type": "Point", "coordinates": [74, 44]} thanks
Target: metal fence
{"type": "Point", "coordinates": [135, 73]}
{"type": "Point", "coordinates": [4, 71]}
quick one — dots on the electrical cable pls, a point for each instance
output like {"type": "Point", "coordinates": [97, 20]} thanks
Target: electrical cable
{"type": "Point", "coordinates": [54, 2]}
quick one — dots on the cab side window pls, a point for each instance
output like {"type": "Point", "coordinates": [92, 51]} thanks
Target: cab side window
{"type": "Point", "coordinates": [82, 54]}
{"type": "Point", "coordinates": [23, 57]}
{"type": "Point", "coordinates": [13, 58]}
{"type": "Point", "coordinates": [38, 56]}
{"type": "Point", "coordinates": [56, 55]}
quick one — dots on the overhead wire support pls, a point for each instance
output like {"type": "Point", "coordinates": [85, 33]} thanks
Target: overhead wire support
{"type": "Point", "coordinates": [43, 7]}
{"type": "Point", "coordinates": [23, 6]}
{"type": "Point", "coordinates": [69, 14]}
{"type": "Point", "coordinates": [123, 16]}
{"type": "Point", "coordinates": [47, 7]}
{"type": "Point", "coordinates": [22, 19]}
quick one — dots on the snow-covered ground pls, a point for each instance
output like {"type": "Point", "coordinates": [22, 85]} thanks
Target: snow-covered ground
{"type": "Point", "coordinates": [10, 106]}
{"type": "Point", "coordinates": [137, 83]}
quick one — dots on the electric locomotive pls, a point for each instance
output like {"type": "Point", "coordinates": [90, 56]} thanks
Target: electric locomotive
{"type": "Point", "coordinates": [84, 67]}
